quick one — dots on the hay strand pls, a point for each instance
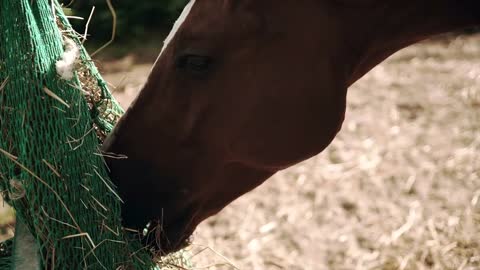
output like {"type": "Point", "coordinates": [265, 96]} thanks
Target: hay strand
{"type": "Point", "coordinates": [114, 28]}
{"type": "Point", "coordinates": [85, 33]}
{"type": "Point", "coordinates": [54, 96]}
{"type": "Point", "coordinates": [52, 168]}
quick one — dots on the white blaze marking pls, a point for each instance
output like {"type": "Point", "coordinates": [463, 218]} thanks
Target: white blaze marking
{"type": "Point", "coordinates": [177, 26]}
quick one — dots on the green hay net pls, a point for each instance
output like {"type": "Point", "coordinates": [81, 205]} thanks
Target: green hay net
{"type": "Point", "coordinates": [51, 127]}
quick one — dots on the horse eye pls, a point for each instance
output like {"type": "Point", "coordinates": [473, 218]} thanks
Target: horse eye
{"type": "Point", "coordinates": [196, 64]}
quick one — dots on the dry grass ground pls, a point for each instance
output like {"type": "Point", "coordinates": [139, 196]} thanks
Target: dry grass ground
{"type": "Point", "coordinates": [399, 188]}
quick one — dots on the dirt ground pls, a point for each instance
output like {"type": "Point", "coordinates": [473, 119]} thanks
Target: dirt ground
{"type": "Point", "coordinates": [399, 188]}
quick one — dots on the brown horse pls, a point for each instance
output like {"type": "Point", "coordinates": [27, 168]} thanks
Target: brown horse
{"type": "Point", "coordinates": [245, 88]}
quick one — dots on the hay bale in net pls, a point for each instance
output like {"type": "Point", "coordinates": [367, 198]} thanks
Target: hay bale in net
{"type": "Point", "coordinates": [55, 109]}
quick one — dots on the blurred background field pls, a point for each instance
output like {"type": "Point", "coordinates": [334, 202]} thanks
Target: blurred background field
{"type": "Point", "coordinates": [399, 188]}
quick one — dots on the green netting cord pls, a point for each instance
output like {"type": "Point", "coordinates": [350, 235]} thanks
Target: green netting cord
{"type": "Point", "coordinates": [51, 169]}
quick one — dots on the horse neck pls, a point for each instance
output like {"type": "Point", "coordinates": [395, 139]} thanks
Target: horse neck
{"type": "Point", "coordinates": [392, 28]}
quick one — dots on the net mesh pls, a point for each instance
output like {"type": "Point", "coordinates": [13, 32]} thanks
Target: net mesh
{"type": "Point", "coordinates": [51, 169]}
